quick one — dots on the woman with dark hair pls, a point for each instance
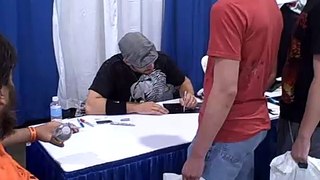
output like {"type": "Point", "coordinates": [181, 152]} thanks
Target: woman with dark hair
{"type": "Point", "coordinates": [9, 169]}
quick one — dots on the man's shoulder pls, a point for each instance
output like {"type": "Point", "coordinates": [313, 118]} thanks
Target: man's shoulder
{"type": "Point", "coordinates": [163, 60]}
{"type": "Point", "coordinates": [115, 60]}
{"type": "Point", "coordinates": [223, 5]}
{"type": "Point", "coordinates": [237, 7]}
{"type": "Point", "coordinates": [162, 54]}
{"type": "Point", "coordinates": [113, 65]}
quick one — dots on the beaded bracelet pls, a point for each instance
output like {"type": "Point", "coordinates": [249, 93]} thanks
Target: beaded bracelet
{"type": "Point", "coordinates": [33, 133]}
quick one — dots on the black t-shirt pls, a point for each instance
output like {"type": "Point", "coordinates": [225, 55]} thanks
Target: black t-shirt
{"type": "Point", "coordinates": [114, 78]}
{"type": "Point", "coordinates": [298, 71]}
{"type": "Point", "coordinates": [289, 19]}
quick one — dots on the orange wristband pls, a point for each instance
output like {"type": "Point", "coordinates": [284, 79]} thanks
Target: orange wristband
{"type": "Point", "coordinates": [33, 133]}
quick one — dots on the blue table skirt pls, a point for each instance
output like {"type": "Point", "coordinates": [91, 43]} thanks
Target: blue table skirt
{"type": "Point", "coordinates": [149, 166]}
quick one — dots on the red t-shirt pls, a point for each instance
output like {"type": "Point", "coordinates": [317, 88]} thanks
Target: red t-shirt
{"type": "Point", "coordinates": [247, 31]}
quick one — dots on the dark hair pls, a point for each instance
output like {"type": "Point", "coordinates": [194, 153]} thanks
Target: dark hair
{"type": "Point", "coordinates": [7, 60]}
{"type": "Point", "coordinates": [7, 63]}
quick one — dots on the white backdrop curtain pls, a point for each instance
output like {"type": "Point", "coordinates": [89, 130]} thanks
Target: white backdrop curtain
{"type": "Point", "coordinates": [86, 33]}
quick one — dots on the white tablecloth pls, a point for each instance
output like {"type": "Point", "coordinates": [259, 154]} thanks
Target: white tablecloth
{"type": "Point", "coordinates": [105, 143]}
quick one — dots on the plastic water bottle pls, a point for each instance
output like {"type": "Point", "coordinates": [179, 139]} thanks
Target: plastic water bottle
{"type": "Point", "coordinates": [55, 109]}
{"type": "Point", "coordinates": [63, 132]}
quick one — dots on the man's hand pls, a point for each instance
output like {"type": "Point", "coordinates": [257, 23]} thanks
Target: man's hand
{"type": "Point", "coordinates": [300, 150]}
{"type": "Point", "coordinates": [189, 100]}
{"type": "Point", "coordinates": [151, 108]}
{"type": "Point", "coordinates": [193, 168]}
{"type": "Point", "coordinates": [45, 132]}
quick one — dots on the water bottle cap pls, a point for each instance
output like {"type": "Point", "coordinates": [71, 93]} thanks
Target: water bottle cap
{"type": "Point", "coordinates": [55, 98]}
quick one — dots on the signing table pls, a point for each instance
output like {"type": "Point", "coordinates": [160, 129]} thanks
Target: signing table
{"type": "Point", "coordinates": [156, 144]}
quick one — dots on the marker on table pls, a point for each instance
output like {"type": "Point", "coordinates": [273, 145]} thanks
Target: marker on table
{"type": "Point", "coordinates": [122, 124]}
{"type": "Point", "coordinates": [86, 122]}
{"type": "Point", "coordinates": [81, 124]}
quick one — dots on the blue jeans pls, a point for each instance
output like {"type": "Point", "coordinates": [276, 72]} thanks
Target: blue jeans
{"type": "Point", "coordinates": [231, 161]}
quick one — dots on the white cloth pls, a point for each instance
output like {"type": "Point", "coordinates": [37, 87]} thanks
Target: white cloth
{"type": "Point", "coordinates": [275, 111]}
{"type": "Point", "coordinates": [299, 6]}
{"type": "Point", "coordinates": [284, 167]}
{"type": "Point", "coordinates": [144, 16]}
{"type": "Point", "coordinates": [275, 93]}
{"type": "Point", "coordinates": [282, 2]}
{"type": "Point", "coordinates": [171, 176]}
{"type": "Point", "coordinates": [86, 33]}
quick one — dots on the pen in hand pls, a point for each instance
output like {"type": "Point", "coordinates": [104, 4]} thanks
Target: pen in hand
{"type": "Point", "coordinates": [184, 101]}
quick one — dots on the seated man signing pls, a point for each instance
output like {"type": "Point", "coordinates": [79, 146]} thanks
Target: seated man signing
{"type": "Point", "coordinates": [131, 82]}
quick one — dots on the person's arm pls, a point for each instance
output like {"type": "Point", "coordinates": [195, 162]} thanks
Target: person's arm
{"type": "Point", "coordinates": [19, 136]}
{"type": "Point", "coordinates": [311, 117]}
{"type": "Point", "coordinates": [219, 103]}
{"type": "Point", "coordinates": [300, 149]}
{"type": "Point", "coordinates": [178, 79]}
{"type": "Point", "coordinates": [96, 104]}
{"type": "Point", "coordinates": [175, 76]}
{"type": "Point", "coordinates": [312, 112]}
{"type": "Point", "coordinates": [186, 86]}
{"type": "Point", "coordinates": [187, 94]}
{"type": "Point", "coordinates": [43, 133]}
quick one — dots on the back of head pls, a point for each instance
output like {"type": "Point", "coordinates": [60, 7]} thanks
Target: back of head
{"type": "Point", "coordinates": [7, 63]}
{"type": "Point", "coordinates": [137, 50]}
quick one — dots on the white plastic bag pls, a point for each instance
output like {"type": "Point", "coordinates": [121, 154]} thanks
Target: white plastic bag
{"type": "Point", "coordinates": [285, 168]}
{"type": "Point", "coordinates": [171, 176]}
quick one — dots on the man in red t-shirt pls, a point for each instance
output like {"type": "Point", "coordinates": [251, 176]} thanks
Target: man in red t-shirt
{"type": "Point", "coordinates": [243, 46]}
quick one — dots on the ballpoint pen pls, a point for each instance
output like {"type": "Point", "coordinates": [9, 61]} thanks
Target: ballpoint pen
{"type": "Point", "coordinates": [81, 124]}
{"type": "Point", "coordinates": [184, 102]}
{"type": "Point", "coordinates": [86, 122]}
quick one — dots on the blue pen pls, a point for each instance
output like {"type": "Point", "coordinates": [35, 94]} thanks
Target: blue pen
{"type": "Point", "coordinates": [86, 122]}
{"type": "Point", "coordinates": [81, 124]}
{"type": "Point", "coordinates": [273, 101]}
